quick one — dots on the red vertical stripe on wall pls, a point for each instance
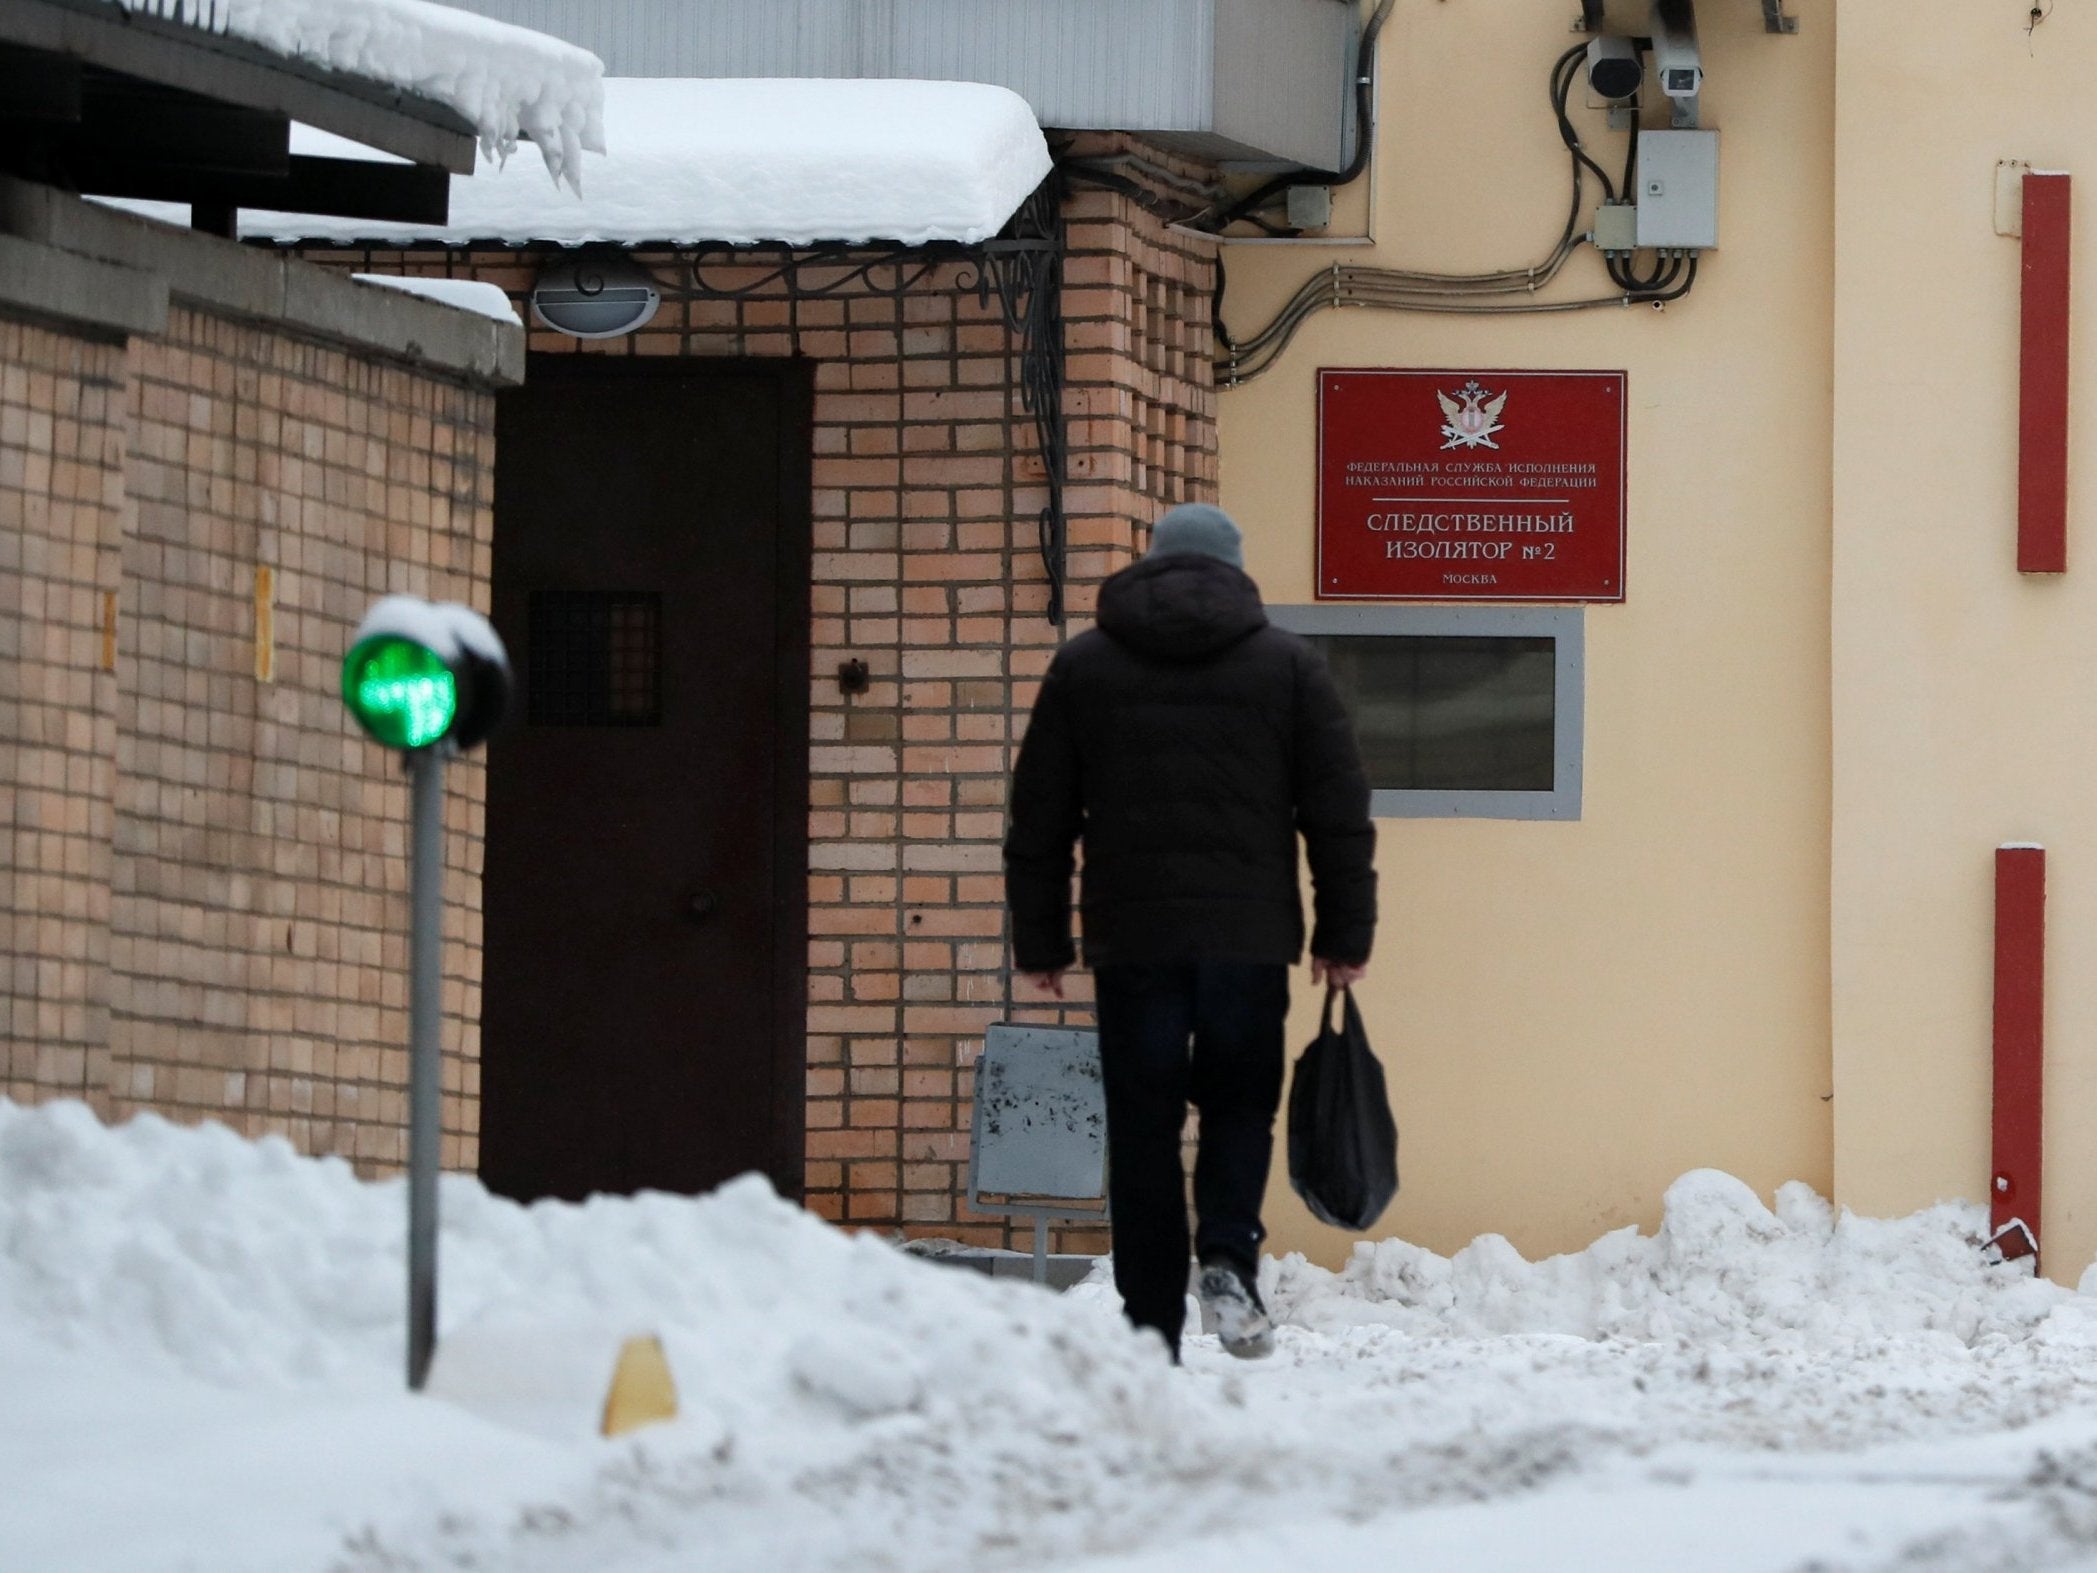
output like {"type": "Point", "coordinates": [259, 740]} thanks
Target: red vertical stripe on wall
{"type": "Point", "coordinates": [2042, 452]}
{"type": "Point", "coordinates": [2020, 975]}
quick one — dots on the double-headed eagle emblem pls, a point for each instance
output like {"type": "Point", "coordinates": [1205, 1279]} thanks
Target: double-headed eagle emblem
{"type": "Point", "coordinates": [1470, 419]}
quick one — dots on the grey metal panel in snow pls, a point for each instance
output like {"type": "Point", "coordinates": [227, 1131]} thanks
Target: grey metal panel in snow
{"type": "Point", "coordinates": [1256, 79]}
{"type": "Point", "coordinates": [1040, 1128]}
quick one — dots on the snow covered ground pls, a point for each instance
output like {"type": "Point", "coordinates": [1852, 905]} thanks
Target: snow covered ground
{"type": "Point", "coordinates": [202, 1350]}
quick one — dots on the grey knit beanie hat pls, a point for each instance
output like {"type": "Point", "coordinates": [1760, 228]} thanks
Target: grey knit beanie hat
{"type": "Point", "coordinates": [1197, 527]}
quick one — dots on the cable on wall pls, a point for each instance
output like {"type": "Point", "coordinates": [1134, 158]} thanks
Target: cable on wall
{"type": "Point", "coordinates": [1401, 289]}
{"type": "Point", "coordinates": [1247, 207]}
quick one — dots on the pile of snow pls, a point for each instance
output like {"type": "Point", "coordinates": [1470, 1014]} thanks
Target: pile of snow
{"type": "Point", "coordinates": [745, 161]}
{"type": "Point", "coordinates": [846, 1406]}
{"type": "Point", "coordinates": [798, 1351]}
{"type": "Point", "coordinates": [204, 1254]}
{"type": "Point", "coordinates": [509, 82]}
{"type": "Point", "coordinates": [1734, 1323]}
{"type": "Point", "coordinates": [1723, 1272]}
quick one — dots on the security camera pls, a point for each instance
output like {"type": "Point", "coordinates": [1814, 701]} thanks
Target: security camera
{"type": "Point", "coordinates": [1614, 70]}
{"type": "Point", "coordinates": [1677, 65]}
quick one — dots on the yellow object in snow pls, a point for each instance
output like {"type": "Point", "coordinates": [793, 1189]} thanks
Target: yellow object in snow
{"type": "Point", "coordinates": [642, 1391]}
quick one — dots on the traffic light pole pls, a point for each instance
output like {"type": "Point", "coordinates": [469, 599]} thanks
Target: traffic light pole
{"type": "Point", "coordinates": [429, 678]}
{"type": "Point", "coordinates": [425, 1022]}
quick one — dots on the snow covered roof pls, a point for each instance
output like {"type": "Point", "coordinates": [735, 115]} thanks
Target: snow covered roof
{"type": "Point", "coordinates": [505, 81]}
{"type": "Point", "coordinates": [743, 161]}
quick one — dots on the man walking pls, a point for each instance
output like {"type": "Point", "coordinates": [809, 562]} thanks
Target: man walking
{"type": "Point", "coordinates": [1187, 742]}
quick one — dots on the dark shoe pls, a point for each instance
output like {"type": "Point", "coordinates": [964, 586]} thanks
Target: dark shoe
{"type": "Point", "coordinates": [1231, 1309]}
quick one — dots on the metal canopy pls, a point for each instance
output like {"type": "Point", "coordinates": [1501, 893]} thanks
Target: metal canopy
{"type": "Point", "coordinates": [1266, 83]}
{"type": "Point", "coordinates": [99, 100]}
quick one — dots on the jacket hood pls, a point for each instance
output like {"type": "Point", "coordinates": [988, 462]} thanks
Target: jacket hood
{"type": "Point", "coordinates": [1180, 607]}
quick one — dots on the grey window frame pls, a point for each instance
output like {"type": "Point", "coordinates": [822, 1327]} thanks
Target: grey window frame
{"type": "Point", "coordinates": [1565, 626]}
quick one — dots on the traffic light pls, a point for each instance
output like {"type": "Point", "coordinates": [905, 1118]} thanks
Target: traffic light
{"type": "Point", "coordinates": [421, 673]}
{"type": "Point", "coordinates": [429, 678]}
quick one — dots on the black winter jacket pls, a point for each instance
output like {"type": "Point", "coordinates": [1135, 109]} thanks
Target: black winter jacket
{"type": "Point", "coordinates": [1186, 742]}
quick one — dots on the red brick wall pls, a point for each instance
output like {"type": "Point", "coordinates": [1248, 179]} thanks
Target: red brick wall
{"type": "Point", "coordinates": [1142, 412]}
{"type": "Point", "coordinates": [206, 864]}
{"type": "Point", "coordinates": [927, 482]}
{"type": "Point", "coordinates": [259, 917]}
{"type": "Point", "coordinates": [62, 438]}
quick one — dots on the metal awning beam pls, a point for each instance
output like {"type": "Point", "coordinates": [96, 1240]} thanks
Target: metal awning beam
{"type": "Point", "coordinates": [140, 123]}
{"type": "Point", "coordinates": [39, 87]}
{"type": "Point", "coordinates": [345, 187]}
{"type": "Point", "coordinates": [234, 71]}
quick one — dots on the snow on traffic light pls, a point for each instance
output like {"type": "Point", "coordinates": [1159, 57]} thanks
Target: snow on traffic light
{"type": "Point", "coordinates": [422, 672]}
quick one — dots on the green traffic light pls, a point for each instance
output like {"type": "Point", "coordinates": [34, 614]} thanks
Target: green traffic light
{"type": "Point", "coordinates": [399, 691]}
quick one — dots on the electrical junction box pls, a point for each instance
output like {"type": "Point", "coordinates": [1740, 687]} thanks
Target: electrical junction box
{"type": "Point", "coordinates": [1310, 207]}
{"type": "Point", "coordinates": [1678, 190]}
{"type": "Point", "coordinates": [1616, 228]}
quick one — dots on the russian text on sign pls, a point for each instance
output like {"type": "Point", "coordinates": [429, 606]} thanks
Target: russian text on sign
{"type": "Point", "coordinates": [1544, 503]}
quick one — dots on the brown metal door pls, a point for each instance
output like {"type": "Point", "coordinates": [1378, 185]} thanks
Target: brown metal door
{"type": "Point", "coordinates": [646, 917]}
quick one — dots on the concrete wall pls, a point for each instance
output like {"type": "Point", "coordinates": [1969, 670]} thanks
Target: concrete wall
{"type": "Point", "coordinates": [1965, 695]}
{"type": "Point", "coordinates": [1574, 1014]}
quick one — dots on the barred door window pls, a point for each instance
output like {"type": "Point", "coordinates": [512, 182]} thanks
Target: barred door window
{"type": "Point", "coordinates": [594, 658]}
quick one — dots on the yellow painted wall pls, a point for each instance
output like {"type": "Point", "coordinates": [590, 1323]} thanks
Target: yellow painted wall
{"type": "Point", "coordinates": [1964, 695]}
{"type": "Point", "coordinates": [1574, 1014]}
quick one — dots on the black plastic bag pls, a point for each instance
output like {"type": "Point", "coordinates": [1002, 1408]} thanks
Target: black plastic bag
{"type": "Point", "coordinates": [1343, 1141]}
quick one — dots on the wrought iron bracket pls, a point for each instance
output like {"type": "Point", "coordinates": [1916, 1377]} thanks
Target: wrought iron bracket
{"type": "Point", "coordinates": [1021, 269]}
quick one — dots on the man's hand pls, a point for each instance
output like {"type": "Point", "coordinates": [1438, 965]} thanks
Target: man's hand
{"type": "Point", "coordinates": [1048, 982]}
{"type": "Point", "coordinates": [1337, 974]}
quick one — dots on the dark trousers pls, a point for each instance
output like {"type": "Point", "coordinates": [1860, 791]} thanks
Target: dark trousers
{"type": "Point", "coordinates": [1209, 1033]}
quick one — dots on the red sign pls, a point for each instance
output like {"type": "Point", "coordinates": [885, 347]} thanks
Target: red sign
{"type": "Point", "coordinates": [1471, 485]}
